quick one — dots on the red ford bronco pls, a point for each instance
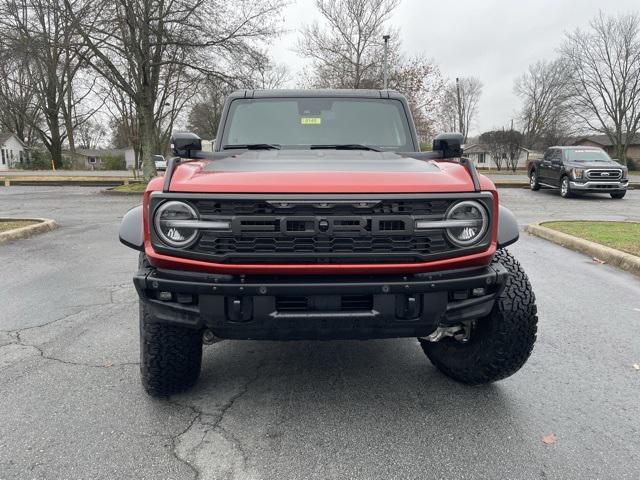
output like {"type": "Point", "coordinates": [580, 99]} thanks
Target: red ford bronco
{"type": "Point", "coordinates": [317, 217]}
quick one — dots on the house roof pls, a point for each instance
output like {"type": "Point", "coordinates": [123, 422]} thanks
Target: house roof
{"type": "Point", "coordinates": [483, 148]}
{"type": "Point", "coordinates": [100, 152]}
{"type": "Point", "coordinates": [4, 136]}
{"type": "Point", "coordinates": [603, 140]}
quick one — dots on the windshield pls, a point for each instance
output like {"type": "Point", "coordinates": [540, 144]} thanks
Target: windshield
{"type": "Point", "coordinates": [587, 156]}
{"type": "Point", "coordinates": [320, 122]}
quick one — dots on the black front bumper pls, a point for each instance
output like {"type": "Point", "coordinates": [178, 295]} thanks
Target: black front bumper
{"type": "Point", "coordinates": [319, 307]}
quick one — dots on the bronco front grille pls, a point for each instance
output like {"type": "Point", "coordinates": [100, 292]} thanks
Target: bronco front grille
{"type": "Point", "coordinates": [321, 228]}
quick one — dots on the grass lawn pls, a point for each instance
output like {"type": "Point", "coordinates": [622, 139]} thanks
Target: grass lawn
{"type": "Point", "coordinates": [131, 188]}
{"type": "Point", "coordinates": [6, 225]}
{"type": "Point", "coordinates": [623, 236]}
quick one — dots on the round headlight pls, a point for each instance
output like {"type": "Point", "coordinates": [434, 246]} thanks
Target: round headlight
{"type": "Point", "coordinates": [473, 221]}
{"type": "Point", "coordinates": [169, 222]}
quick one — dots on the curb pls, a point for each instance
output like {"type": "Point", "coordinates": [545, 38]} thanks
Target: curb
{"type": "Point", "coordinates": [111, 191]}
{"type": "Point", "coordinates": [611, 256]}
{"type": "Point", "coordinates": [60, 182]}
{"type": "Point", "coordinates": [44, 225]}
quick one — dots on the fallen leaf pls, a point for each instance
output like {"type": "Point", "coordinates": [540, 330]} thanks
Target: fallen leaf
{"type": "Point", "coordinates": [550, 439]}
{"type": "Point", "coordinates": [108, 364]}
{"type": "Point", "coordinates": [636, 366]}
{"type": "Point", "coordinates": [597, 260]}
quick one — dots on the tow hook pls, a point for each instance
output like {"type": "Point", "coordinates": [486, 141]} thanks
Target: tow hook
{"type": "Point", "coordinates": [461, 332]}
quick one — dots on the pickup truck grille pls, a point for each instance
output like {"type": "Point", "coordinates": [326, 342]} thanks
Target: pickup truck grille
{"type": "Point", "coordinates": [604, 174]}
{"type": "Point", "coordinates": [322, 229]}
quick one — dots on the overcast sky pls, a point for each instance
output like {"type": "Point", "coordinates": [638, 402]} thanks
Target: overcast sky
{"type": "Point", "coordinates": [494, 40]}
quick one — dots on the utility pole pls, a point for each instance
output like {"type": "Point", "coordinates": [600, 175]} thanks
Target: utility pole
{"type": "Point", "coordinates": [460, 115]}
{"type": "Point", "coordinates": [385, 66]}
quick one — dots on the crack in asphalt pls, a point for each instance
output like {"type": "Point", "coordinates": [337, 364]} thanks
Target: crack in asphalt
{"type": "Point", "coordinates": [201, 418]}
{"type": "Point", "coordinates": [40, 353]}
{"type": "Point", "coordinates": [78, 310]}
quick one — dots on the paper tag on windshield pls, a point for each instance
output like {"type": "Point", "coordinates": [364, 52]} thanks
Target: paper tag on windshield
{"type": "Point", "coordinates": [311, 121]}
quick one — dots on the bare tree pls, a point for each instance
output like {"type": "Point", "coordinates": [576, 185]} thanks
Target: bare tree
{"type": "Point", "coordinates": [38, 31]}
{"type": "Point", "coordinates": [19, 109]}
{"type": "Point", "coordinates": [459, 106]}
{"type": "Point", "coordinates": [546, 115]}
{"type": "Point", "coordinates": [604, 73]}
{"type": "Point", "coordinates": [494, 140]}
{"type": "Point", "coordinates": [132, 43]}
{"type": "Point", "coordinates": [346, 50]}
{"type": "Point", "coordinates": [90, 134]}
{"type": "Point", "coordinates": [419, 79]}
{"type": "Point", "coordinates": [512, 140]}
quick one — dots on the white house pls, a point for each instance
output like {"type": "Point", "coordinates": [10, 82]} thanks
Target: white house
{"type": "Point", "coordinates": [479, 154]}
{"type": "Point", "coordinates": [12, 151]}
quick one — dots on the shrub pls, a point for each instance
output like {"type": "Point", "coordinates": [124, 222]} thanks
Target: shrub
{"type": "Point", "coordinates": [38, 160]}
{"type": "Point", "coordinates": [113, 162]}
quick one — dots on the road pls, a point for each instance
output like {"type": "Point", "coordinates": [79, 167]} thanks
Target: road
{"type": "Point", "coordinates": [71, 406]}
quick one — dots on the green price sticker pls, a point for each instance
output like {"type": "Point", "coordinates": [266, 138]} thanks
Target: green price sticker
{"type": "Point", "coordinates": [311, 120]}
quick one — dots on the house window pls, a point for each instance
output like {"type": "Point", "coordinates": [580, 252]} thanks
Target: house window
{"type": "Point", "coordinates": [92, 160]}
{"type": "Point", "coordinates": [4, 161]}
{"type": "Point", "coordinates": [481, 158]}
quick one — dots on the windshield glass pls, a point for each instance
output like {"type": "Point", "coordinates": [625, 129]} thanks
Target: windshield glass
{"type": "Point", "coordinates": [303, 122]}
{"type": "Point", "coordinates": [587, 156]}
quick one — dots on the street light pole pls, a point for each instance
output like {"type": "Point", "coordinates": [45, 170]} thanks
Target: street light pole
{"type": "Point", "coordinates": [460, 114]}
{"type": "Point", "coordinates": [385, 66]}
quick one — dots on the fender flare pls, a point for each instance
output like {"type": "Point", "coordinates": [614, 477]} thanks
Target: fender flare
{"type": "Point", "coordinates": [508, 231]}
{"type": "Point", "coordinates": [131, 230]}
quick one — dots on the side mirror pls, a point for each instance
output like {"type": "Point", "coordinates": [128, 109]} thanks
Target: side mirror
{"type": "Point", "coordinates": [450, 144]}
{"type": "Point", "coordinates": [184, 144]}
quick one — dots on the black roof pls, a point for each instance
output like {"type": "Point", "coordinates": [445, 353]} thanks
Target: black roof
{"type": "Point", "coordinates": [346, 93]}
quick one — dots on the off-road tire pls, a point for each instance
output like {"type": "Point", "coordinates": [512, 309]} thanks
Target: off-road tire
{"type": "Point", "coordinates": [170, 356]}
{"type": "Point", "coordinates": [534, 184]}
{"type": "Point", "coordinates": [500, 343]}
{"type": "Point", "coordinates": [618, 195]}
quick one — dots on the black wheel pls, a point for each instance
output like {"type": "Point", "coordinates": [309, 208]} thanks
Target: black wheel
{"type": "Point", "coordinates": [565, 187]}
{"type": "Point", "coordinates": [618, 195]}
{"type": "Point", "coordinates": [533, 180]}
{"type": "Point", "coordinates": [500, 344]}
{"type": "Point", "coordinates": [170, 356]}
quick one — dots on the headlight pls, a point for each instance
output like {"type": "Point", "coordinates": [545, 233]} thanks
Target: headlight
{"type": "Point", "coordinates": [625, 173]}
{"type": "Point", "coordinates": [173, 221]}
{"type": "Point", "coordinates": [577, 173]}
{"type": "Point", "coordinates": [473, 221]}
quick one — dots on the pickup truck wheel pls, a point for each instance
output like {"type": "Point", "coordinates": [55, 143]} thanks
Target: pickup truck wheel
{"type": "Point", "coordinates": [499, 344]}
{"type": "Point", "coordinates": [618, 195]}
{"type": "Point", "coordinates": [533, 180]}
{"type": "Point", "coordinates": [565, 187]}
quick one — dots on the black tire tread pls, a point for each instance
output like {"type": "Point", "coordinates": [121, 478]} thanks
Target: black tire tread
{"type": "Point", "coordinates": [502, 342]}
{"type": "Point", "coordinates": [170, 356]}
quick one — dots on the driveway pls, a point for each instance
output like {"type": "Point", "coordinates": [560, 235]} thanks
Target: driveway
{"type": "Point", "coordinates": [72, 406]}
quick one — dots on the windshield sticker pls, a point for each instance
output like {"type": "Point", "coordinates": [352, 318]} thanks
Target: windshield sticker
{"type": "Point", "coordinates": [311, 121]}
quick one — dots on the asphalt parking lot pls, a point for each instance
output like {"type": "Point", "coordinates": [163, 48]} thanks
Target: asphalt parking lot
{"type": "Point", "coordinates": [71, 405]}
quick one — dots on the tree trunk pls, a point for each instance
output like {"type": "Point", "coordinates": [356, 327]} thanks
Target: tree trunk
{"type": "Point", "coordinates": [147, 139]}
{"type": "Point", "coordinates": [621, 154]}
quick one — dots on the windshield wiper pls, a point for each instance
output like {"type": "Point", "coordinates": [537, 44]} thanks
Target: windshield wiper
{"type": "Point", "coordinates": [252, 146]}
{"type": "Point", "coordinates": [345, 146]}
